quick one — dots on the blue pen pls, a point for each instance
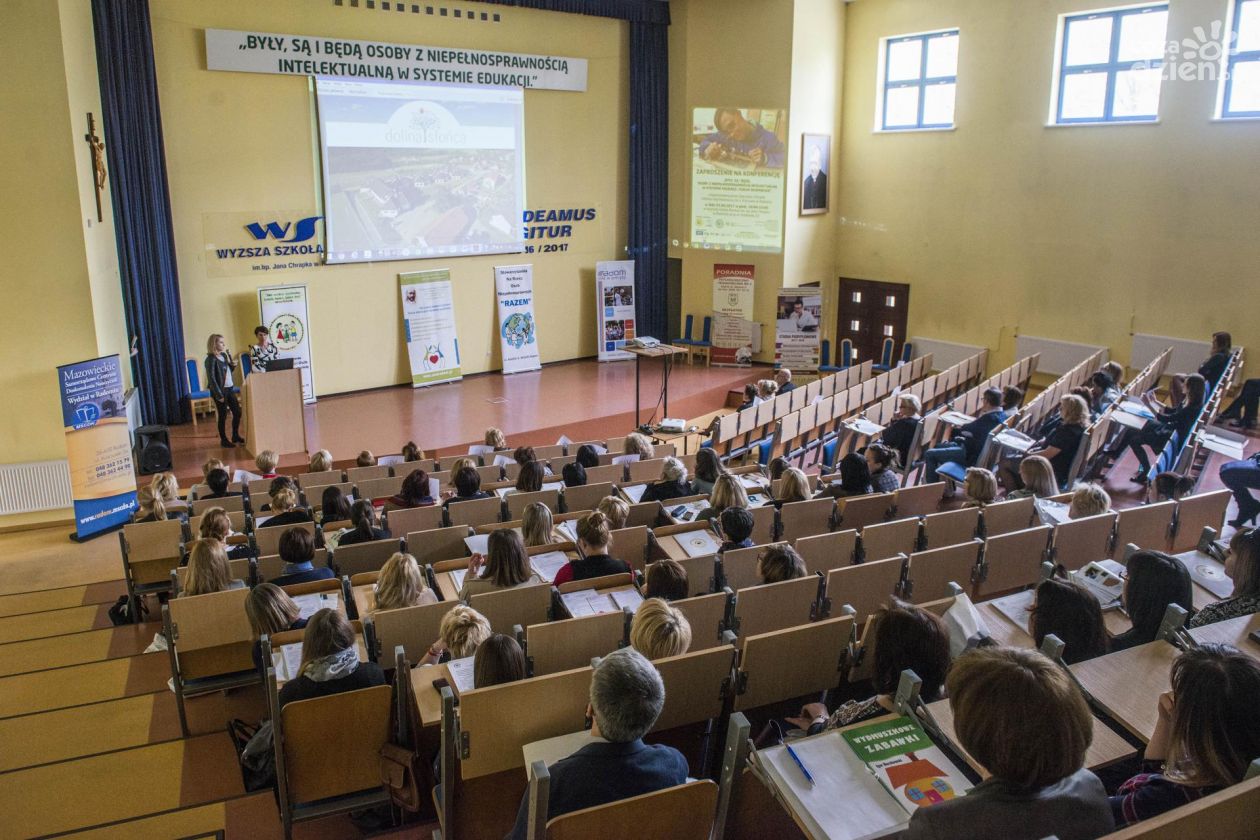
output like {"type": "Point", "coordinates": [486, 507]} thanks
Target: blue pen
{"type": "Point", "coordinates": [800, 764]}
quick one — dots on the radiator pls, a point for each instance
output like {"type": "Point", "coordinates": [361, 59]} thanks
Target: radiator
{"type": "Point", "coordinates": [1187, 355]}
{"type": "Point", "coordinates": [1057, 357]}
{"type": "Point", "coordinates": [40, 485]}
{"type": "Point", "coordinates": [944, 354]}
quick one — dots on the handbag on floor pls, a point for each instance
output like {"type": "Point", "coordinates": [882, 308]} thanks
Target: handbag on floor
{"type": "Point", "coordinates": [120, 613]}
{"type": "Point", "coordinates": [255, 751]}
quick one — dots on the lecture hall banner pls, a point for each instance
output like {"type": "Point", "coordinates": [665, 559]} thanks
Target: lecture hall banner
{"type": "Point", "coordinates": [284, 312]}
{"type": "Point", "coordinates": [731, 336]}
{"type": "Point", "coordinates": [796, 345]}
{"type": "Point", "coordinates": [98, 446]}
{"type": "Point", "coordinates": [429, 327]}
{"type": "Point", "coordinates": [737, 186]}
{"type": "Point", "coordinates": [518, 332]}
{"type": "Point", "coordinates": [614, 298]}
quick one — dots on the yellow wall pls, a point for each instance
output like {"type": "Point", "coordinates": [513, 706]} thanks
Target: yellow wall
{"type": "Point", "coordinates": [1081, 233]}
{"type": "Point", "coordinates": [242, 142]}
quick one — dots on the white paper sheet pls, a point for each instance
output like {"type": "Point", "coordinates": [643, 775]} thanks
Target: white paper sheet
{"type": "Point", "coordinates": [548, 564]}
{"type": "Point", "coordinates": [461, 671]}
{"type": "Point", "coordinates": [634, 492]}
{"type": "Point", "coordinates": [698, 543]}
{"type": "Point", "coordinates": [480, 449]}
{"type": "Point", "coordinates": [625, 459]}
{"type": "Point", "coordinates": [457, 577]}
{"type": "Point", "coordinates": [478, 543]}
{"type": "Point", "coordinates": [310, 604]}
{"type": "Point", "coordinates": [627, 598]}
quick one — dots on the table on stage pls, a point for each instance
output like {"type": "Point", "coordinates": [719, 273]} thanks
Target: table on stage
{"type": "Point", "coordinates": [664, 352]}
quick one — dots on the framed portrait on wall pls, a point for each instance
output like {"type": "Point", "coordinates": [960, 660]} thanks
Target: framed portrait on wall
{"type": "Point", "coordinates": [815, 167]}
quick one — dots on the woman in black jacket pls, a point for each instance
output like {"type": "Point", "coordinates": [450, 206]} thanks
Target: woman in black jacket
{"type": "Point", "coordinates": [363, 517]}
{"type": "Point", "coordinates": [1179, 419]}
{"type": "Point", "coordinates": [330, 661]}
{"type": "Point", "coordinates": [219, 367]}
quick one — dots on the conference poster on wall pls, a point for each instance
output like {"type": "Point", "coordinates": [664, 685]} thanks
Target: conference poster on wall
{"type": "Point", "coordinates": [284, 312]}
{"type": "Point", "coordinates": [731, 336]}
{"type": "Point", "coordinates": [796, 342]}
{"type": "Point", "coordinates": [429, 327]}
{"type": "Point", "coordinates": [518, 331]}
{"type": "Point", "coordinates": [614, 297]}
{"type": "Point", "coordinates": [738, 157]}
{"type": "Point", "coordinates": [98, 445]}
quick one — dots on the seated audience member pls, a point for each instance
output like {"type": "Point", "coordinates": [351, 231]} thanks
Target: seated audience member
{"type": "Point", "coordinates": [766, 389]}
{"type": "Point", "coordinates": [617, 512]}
{"type": "Point", "coordinates": [1172, 486]}
{"type": "Point", "coordinates": [708, 469]}
{"type": "Point", "coordinates": [401, 584]}
{"type": "Point", "coordinates": [1088, 500]}
{"type": "Point", "coordinates": [415, 492]}
{"type": "Point", "coordinates": [530, 478]}
{"type": "Point", "coordinates": [737, 525]}
{"type": "Point", "coordinates": [1060, 447]}
{"type": "Point", "coordinates": [498, 660]}
{"type": "Point", "coordinates": [750, 397]}
{"type": "Point", "coordinates": [778, 563]}
{"type": "Point", "coordinates": [538, 526]}
{"type": "Point", "coordinates": [1154, 581]}
{"type": "Point", "coordinates": [626, 698]}
{"type": "Point", "coordinates": [208, 570]}
{"type": "Point", "coordinates": [333, 506]}
{"type": "Point", "coordinates": [1241, 413]}
{"type": "Point", "coordinates": [1167, 422]}
{"type": "Point", "coordinates": [457, 468]}
{"type": "Point", "coordinates": [266, 462]}
{"type": "Point", "coordinates": [783, 379]}
{"type": "Point", "coordinates": [574, 475]}
{"type": "Point", "coordinates": [1012, 399]}
{"type": "Point", "coordinates": [1022, 718]}
{"type": "Point", "coordinates": [218, 482]}
{"type": "Point", "coordinates": [587, 456]}
{"type": "Point", "coordinates": [1116, 371]}
{"type": "Point", "coordinates": [1241, 477]}
{"type": "Point", "coordinates": [217, 525]}
{"type": "Point", "coordinates": [1036, 478]}
{"type": "Point", "coordinates": [672, 484]}
{"type": "Point", "coordinates": [882, 463]}
{"type": "Point", "coordinates": [666, 579]}
{"type": "Point", "coordinates": [1214, 366]}
{"type": "Point", "coordinates": [460, 633]}
{"type": "Point", "coordinates": [297, 550]}
{"type": "Point", "coordinates": [410, 452]}
{"type": "Point", "coordinates": [213, 464]}
{"type": "Point", "coordinates": [658, 630]}
{"type": "Point", "coordinates": [1066, 609]}
{"type": "Point", "coordinates": [1206, 736]}
{"type": "Point", "coordinates": [363, 525]}
{"type": "Point", "coordinates": [793, 487]}
{"type": "Point", "coordinates": [321, 461]}
{"type": "Point", "coordinates": [523, 455]}
{"type": "Point", "coordinates": [903, 636]}
{"type": "Point", "coordinates": [727, 493]}
{"type": "Point", "coordinates": [639, 444]}
{"type": "Point", "coordinates": [1105, 392]}
{"type": "Point", "coordinates": [283, 508]}
{"type": "Point", "coordinates": [160, 500]}
{"type": "Point", "coordinates": [467, 487]}
{"type": "Point", "coordinates": [495, 440]}
{"type": "Point", "coordinates": [593, 543]}
{"type": "Point", "coordinates": [270, 610]}
{"type": "Point", "coordinates": [855, 479]}
{"type": "Point", "coordinates": [1242, 565]}
{"type": "Point", "coordinates": [504, 566]}
{"type": "Point", "coordinates": [330, 661]}
{"type": "Point", "coordinates": [979, 486]}
{"type": "Point", "coordinates": [365, 459]}
{"type": "Point", "coordinates": [964, 447]}
{"type": "Point", "coordinates": [899, 434]}
{"type": "Point", "coordinates": [777, 467]}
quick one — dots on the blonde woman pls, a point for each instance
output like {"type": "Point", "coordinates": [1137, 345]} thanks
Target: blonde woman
{"type": "Point", "coordinates": [1088, 500]}
{"type": "Point", "coordinates": [401, 584]}
{"type": "Point", "coordinates": [795, 487]}
{"type": "Point", "coordinates": [1060, 447]}
{"type": "Point", "coordinates": [208, 570]}
{"type": "Point", "coordinates": [594, 543]}
{"type": "Point", "coordinates": [616, 511]}
{"type": "Point", "coordinates": [461, 632]}
{"type": "Point", "coordinates": [495, 440]}
{"type": "Point", "coordinates": [270, 610]}
{"type": "Point", "coordinates": [766, 389]}
{"type": "Point", "coordinates": [900, 432]}
{"type": "Point", "coordinates": [321, 461]}
{"type": "Point", "coordinates": [538, 526]}
{"type": "Point", "coordinates": [266, 461]}
{"type": "Point", "coordinates": [1038, 478]}
{"type": "Point", "coordinates": [330, 661]}
{"type": "Point", "coordinates": [638, 444]}
{"type": "Point", "coordinates": [284, 509]}
{"type": "Point", "coordinates": [980, 486]}
{"type": "Point", "coordinates": [659, 630]}
{"type": "Point", "coordinates": [727, 493]}
{"type": "Point", "coordinates": [219, 366]}
{"type": "Point", "coordinates": [161, 499]}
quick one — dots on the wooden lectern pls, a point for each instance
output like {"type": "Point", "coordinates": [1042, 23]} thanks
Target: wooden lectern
{"type": "Point", "coordinates": [274, 418]}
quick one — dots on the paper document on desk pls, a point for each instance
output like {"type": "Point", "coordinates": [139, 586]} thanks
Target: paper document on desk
{"type": "Point", "coordinates": [503, 492]}
{"type": "Point", "coordinates": [634, 492]}
{"type": "Point", "coordinates": [1052, 513]}
{"type": "Point", "coordinates": [957, 418]}
{"type": "Point", "coordinates": [245, 476]}
{"type": "Point", "coordinates": [551, 750]}
{"type": "Point", "coordinates": [310, 604]}
{"type": "Point", "coordinates": [548, 564]}
{"type": "Point", "coordinates": [913, 769]}
{"type": "Point", "coordinates": [758, 499]}
{"type": "Point", "coordinates": [502, 460]}
{"type": "Point", "coordinates": [1014, 439]}
{"type": "Point", "coordinates": [390, 460]}
{"type": "Point", "coordinates": [753, 481]}
{"type": "Point", "coordinates": [588, 602]}
{"type": "Point", "coordinates": [625, 459]}
{"type": "Point", "coordinates": [1103, 580]}
{"type": "Point", "coordinates": [689, 511]}
{"type": "Point", "coordinates": [461, 671]}
{"type": "Point", "coordinates": [1207, 572]}
{"type": "Point", "coordinates": [569, 528]}
{"type": "Point", "coordinates": [478, 543]}
{"type": "Point", "coordinates": [1016, 608]}
{"type": "Point", "coordinates": [1124, 418]}
{"type": "Point", "coordinates": [558, 486]}
{"type": "Point", "coordinates": [627, 598]}
{"type": "Point", "coordinates": [480, 449]}
{"type": "Point", "coordinates": [1135, 408]}
{"type": "Point", "coordinates": [698, 543]}
{"type": "Point", "coordinates": [863, 426]}
{"type": "Point", "coordinates": [288, 662]}
{"type": "Point", "coordinates": [458, 576]}
{"type": "Point", "coordinates": [563, 440]}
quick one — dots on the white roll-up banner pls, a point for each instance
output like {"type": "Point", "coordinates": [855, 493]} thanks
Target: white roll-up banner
{"type": "Point", "coordinates": [518, 333]}
{"type": "Point", "coordinates": [429, 326]}
{"type": "Point", "coordinates": [614, 299]}
{"type": "Point", "coordinates": [284, 312]}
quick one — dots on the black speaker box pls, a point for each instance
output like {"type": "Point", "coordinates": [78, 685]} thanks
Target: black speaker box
{"type": "Point", "coordinates": [153, 449]}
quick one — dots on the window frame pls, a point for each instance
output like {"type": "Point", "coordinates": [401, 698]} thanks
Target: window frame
{"type": "Point", "coordinates": [1231, 58]}
{"type": "Point", "coordinates": [922, 82]}
{"type": "Point", "coordinates": [1111, 67]}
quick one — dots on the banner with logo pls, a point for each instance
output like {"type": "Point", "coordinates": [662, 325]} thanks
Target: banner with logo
{"type": "Point", "coordinates": [518, 332]}
{"type": "Point", "coordinates": [738, 159]}
{"type": "Point", "coordinates": [614, 298]}
{"type": "Point", "coordinates": [796, 344]}
{"type": "Point", "coordinates": [283, 311]}
{"type": "Point", "coordinates": [731, 337]}
{"type": "Point", "coordinates": [98, 445]}
{"type": "Point", "coordinates": [266, 240]}
{"type": "Point", "coordinates": [429, 327]}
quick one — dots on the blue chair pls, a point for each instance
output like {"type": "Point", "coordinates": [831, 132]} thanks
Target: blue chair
{"type": "Point", "coordinates": [824, 358]}
{"type": "Point", "coordinates": [198, 396]}
{"type": "Point", "coordinates": [246, 366]}
{"type": "Point", "coordinates": [829, 453]}
{"type": "Point", "coordinates": [700, 345]}
{"type": "Point", "coordinates": [847, 356]}
{"type": "Point", "coordinates": [764, 448]}
{"type": "Point", "coordinates": [907, 353]}
{"type": "Point", "coordinates": [885, 362]}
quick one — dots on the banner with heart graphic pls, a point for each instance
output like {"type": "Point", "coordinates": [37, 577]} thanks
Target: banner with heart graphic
{"type": "Point", "coordinates": [429, 327]}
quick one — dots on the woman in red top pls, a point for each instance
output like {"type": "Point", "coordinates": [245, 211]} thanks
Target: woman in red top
{"type": "Point", "coordinates": [593, 544]}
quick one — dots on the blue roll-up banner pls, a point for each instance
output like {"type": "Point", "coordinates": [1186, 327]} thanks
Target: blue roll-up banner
{"type": "Point", "coordinates": [98, 445]}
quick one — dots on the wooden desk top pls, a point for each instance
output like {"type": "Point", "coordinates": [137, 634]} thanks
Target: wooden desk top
{"type": "Point", "coordinates": [1006, 632]}
{"type": "Point", "coordinates": [364, 599]}
{"type": "Point", "coordinates": [669, 544]}
{"type": "Point", "coordinates": [1202, 596]}
{"type": "Point", "coordinates": [1106, 748]}
{"type": "Point", "coordinates": [1235, 631]}
{"type": "Point", "coordinates": [446, 586]}
{"type": "Point", "coordinates": [656, 352]}
{"type": "Point", "coordinates": [1127, 684]}
{"type": "Point", "coordinates": [428, 701]}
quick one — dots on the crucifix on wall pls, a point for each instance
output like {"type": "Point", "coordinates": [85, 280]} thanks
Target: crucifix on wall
{"type": "Point", "coordinates": [98, 163]}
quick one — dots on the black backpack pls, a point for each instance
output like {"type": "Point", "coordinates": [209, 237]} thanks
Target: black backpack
{"type": "Point", "coordinates": [120, 613]}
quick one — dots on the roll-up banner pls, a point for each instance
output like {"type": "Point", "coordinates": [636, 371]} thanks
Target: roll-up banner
{"type": "Point", "coordinates": [98, 445]}
{"type": "Point", "coordinates": [284, 312]}
{"type": "Point", "coordinates": [796, 344]}
{"type": "Point", "coordinates": [429, 327]}
{"type": "Point", "coordinates": [518, 334]}
{"type": "Point", "coordinates": [731, 338]}
{"type": "Point", "coordinates": [614, 298]}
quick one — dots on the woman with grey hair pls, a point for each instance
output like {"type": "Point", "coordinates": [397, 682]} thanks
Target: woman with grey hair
{"type": "Point", "coordinates": [626, 698]}
{"type": "Point", "coordinates": [672, 484]}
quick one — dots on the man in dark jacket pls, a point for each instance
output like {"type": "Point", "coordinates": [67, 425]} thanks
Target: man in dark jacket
{"type": "Point", "coordinates": [965, 446]}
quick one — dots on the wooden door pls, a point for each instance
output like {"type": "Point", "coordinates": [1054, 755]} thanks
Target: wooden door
{"type": "Point", "coordinates": [869, 312]}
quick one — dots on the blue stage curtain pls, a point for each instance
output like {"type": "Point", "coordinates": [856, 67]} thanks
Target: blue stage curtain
{"type": "Point", "coordinates": [142, 209]}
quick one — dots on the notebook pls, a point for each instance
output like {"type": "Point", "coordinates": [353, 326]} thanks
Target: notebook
{"type": "Point", "coordinates": [634, 492]}
{"type": "Point", "coordinates": [698, 543]}
{"type": "Point", "coordinates": [1208, 573]}
{"type": "Point", "coordinates": [310, 604]}
{"type": "Point", "coordinates": [548, 564]}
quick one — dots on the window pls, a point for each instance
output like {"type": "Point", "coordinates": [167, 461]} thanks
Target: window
{"type": "Point", "coordinates": [1111, 66]}
{"type": "Point", "coordinates": [1242, 69]}
{"type": "Point", "coordinates": [918, 77]}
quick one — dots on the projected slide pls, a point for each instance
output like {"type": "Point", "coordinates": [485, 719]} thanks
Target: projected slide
{"type": "Point", "coordinates": [413, 171]}
{"type": "Point", "coordinates": [738, 158]}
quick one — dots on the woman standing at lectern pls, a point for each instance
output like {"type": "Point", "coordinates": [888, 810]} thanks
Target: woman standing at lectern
{"type": "Point", "coordinates": [264, 352]}
{"type": "Point", "coordinates": [219, 367]}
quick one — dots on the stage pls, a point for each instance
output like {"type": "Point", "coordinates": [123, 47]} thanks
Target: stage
{"type": "Point", "coordinates": [583, 399]}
